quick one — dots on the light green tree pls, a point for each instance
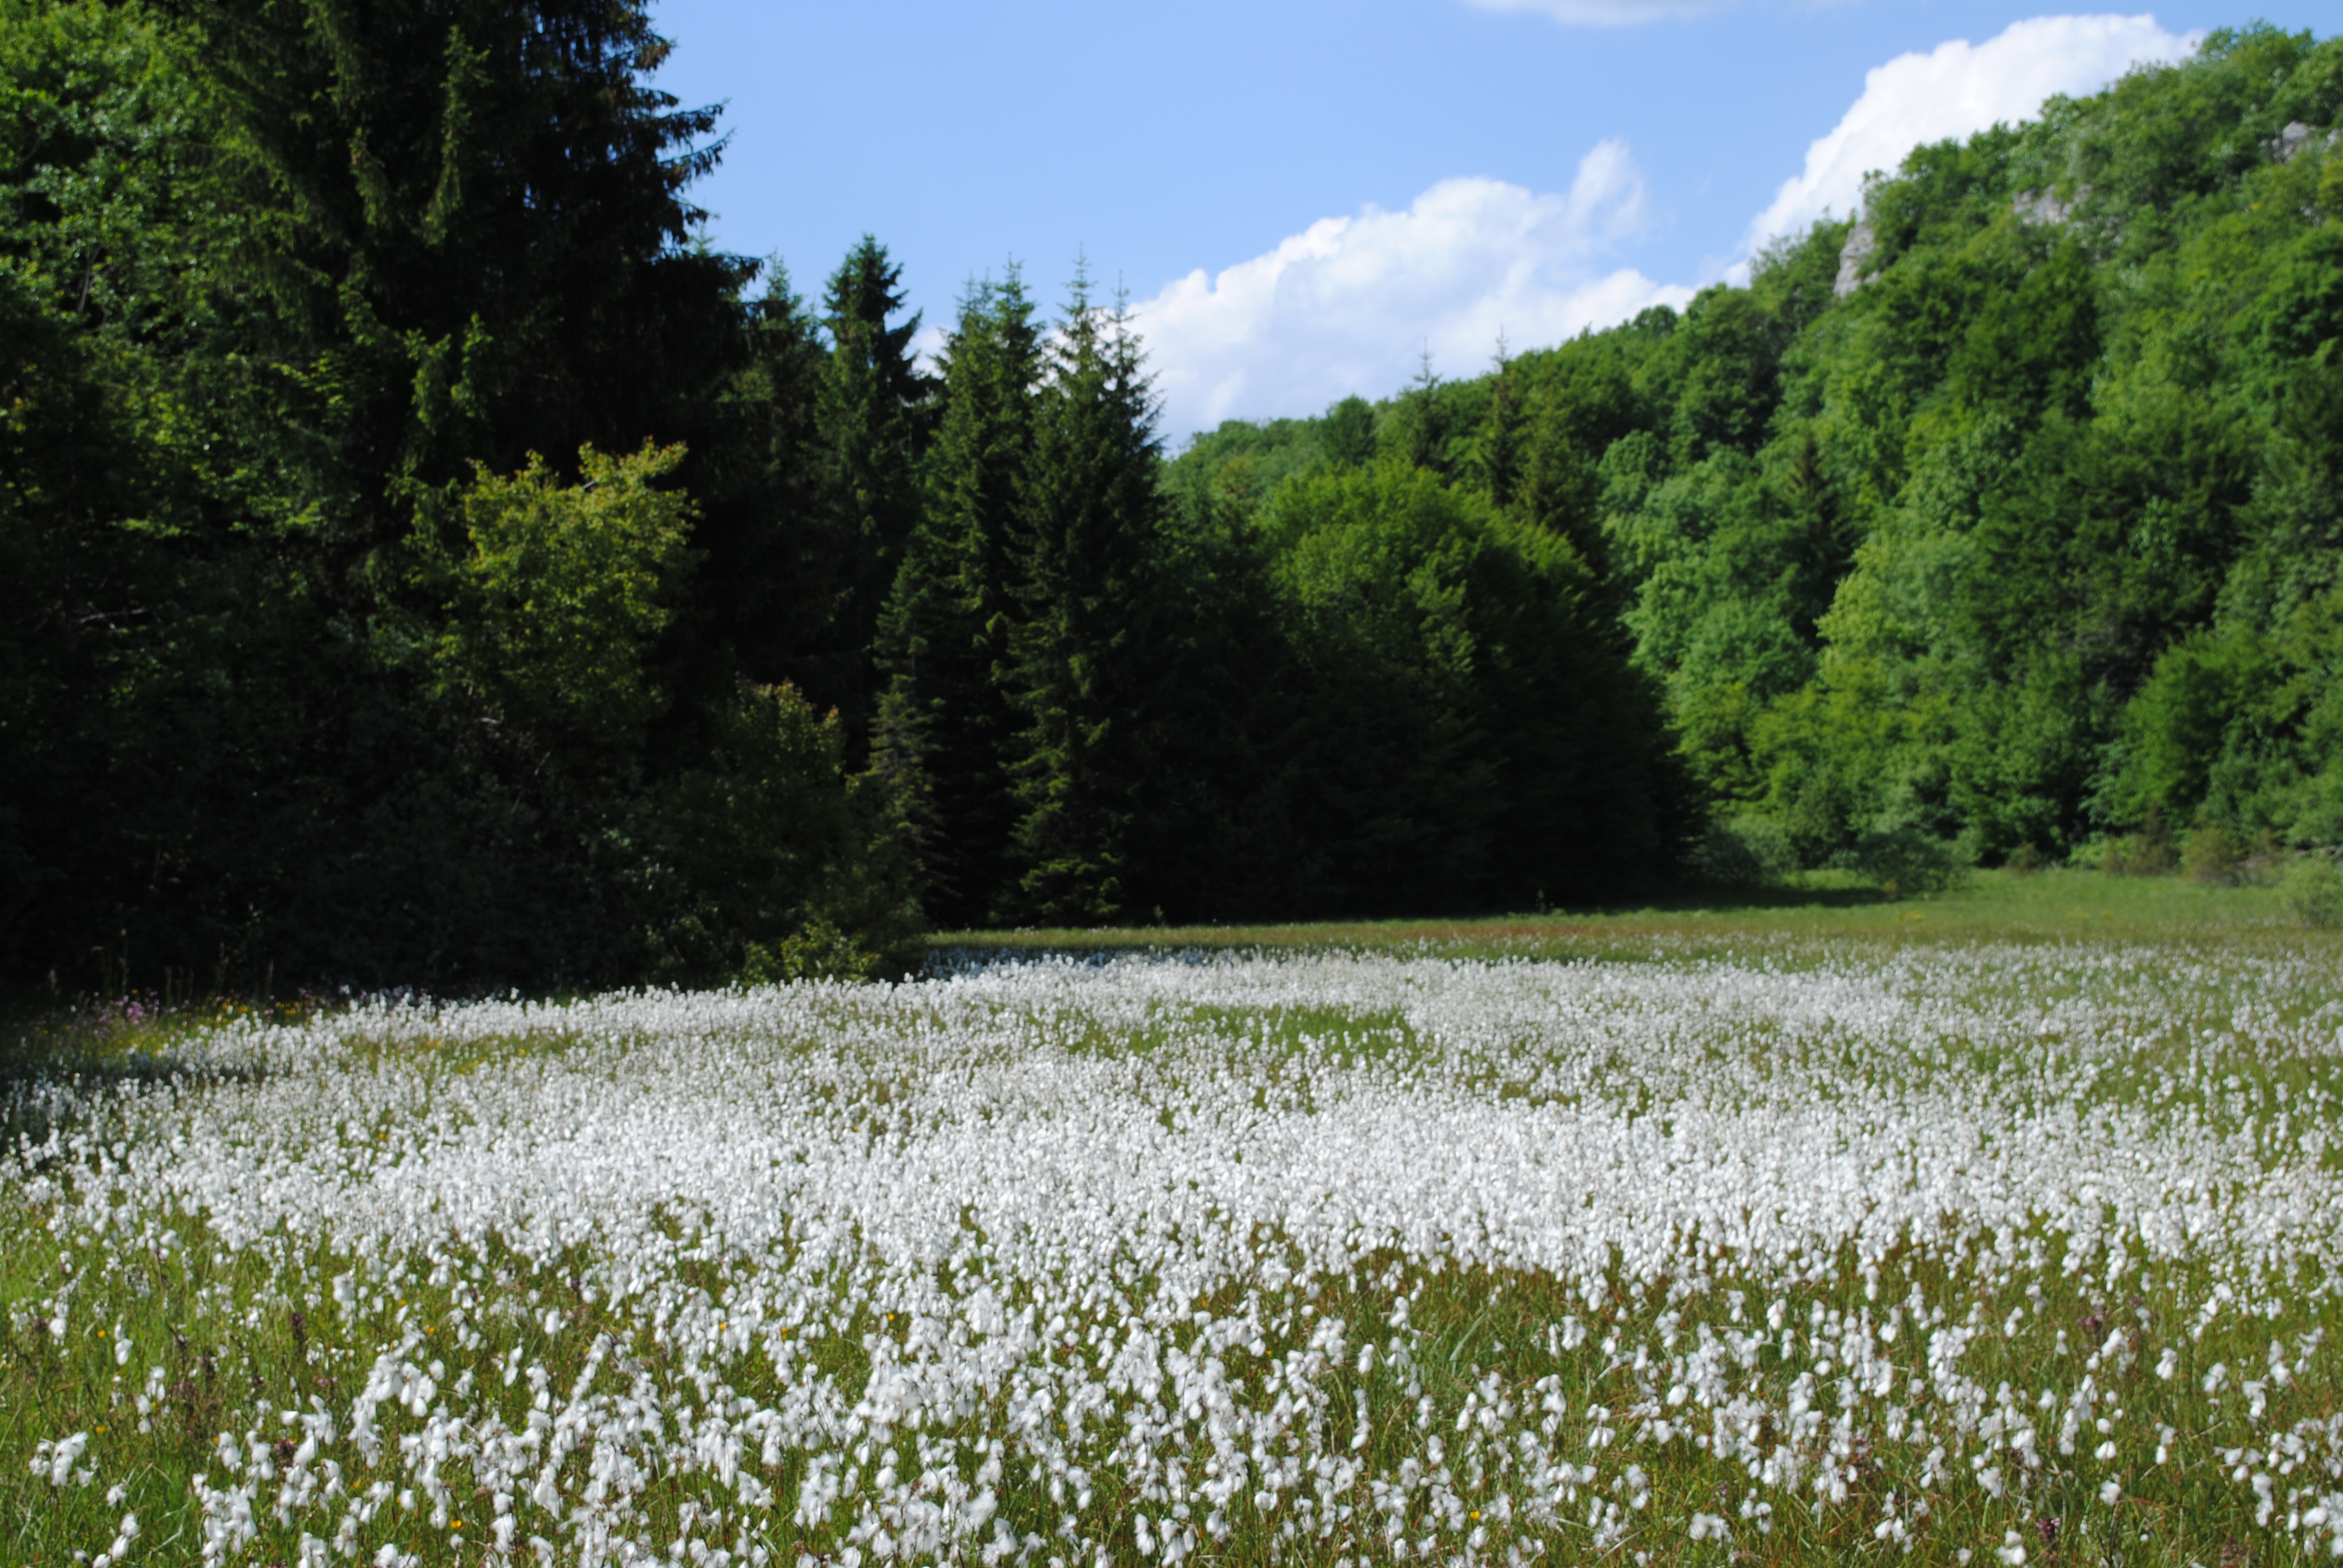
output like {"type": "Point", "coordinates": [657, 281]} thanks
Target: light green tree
{"type": "Point", "coordinates": [554, 608]}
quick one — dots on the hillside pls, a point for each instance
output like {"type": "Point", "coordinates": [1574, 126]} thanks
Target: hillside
{"type": "Point", "coordinates": [2008, 515]}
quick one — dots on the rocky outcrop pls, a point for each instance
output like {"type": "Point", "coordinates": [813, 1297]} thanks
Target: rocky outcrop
{"type": "Point", "coordinates": [2043, 206]}
{"type": "Point", "coordinates": [2297, 139]}
{"type": "Point", "coordinates": [1861, 241]}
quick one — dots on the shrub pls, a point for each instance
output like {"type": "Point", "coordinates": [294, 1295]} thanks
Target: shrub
{"type": "Point", "coordinates": [2025, 860]}
{"type": "Point", "coordinates": [818, 952]}
{"type": "Point", "coordinates": [2312, 892]}
{"type": "Point", "coordinates": [1903, 860]}
{"type": "Point", "coordinates": [788, 865]}
{"type": "Point", "coordinates": [2213, 856]}
{"type": "Point", "coordinates": [2150, 852]}
{"type": "Point", "coordinates": [1744, 853]}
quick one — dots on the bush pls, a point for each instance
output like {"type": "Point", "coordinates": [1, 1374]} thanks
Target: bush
{"type": "Point", "coordinates": [2025, 860]}
{"type": "Point", "coordinates": [819, 952]}
{"type": "Point", "coordinates": [2150, 852]}
{"type": "Point", "coordinates": [2213, 856]}
{"type": "Point", "coordinates": [791, 870]}
{"type": "Point", "coordinates": [1744, 853]}
{"type": "Point", "coordinates": [2312, 892]}
{"type": "Point", "coordinates": [1903, 860]}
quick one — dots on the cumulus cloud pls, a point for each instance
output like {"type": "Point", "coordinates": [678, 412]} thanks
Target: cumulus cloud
{"type": "Point", "coordinates": [1955, 90]}
{"type": "Point", "coordinates": [1347, 305]}
{"type": "Point", "coordinates": [1608, 13]}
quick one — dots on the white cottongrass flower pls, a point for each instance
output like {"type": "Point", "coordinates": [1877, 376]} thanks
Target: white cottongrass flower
{"type": "Point", "coordinates": [1321, 1255]}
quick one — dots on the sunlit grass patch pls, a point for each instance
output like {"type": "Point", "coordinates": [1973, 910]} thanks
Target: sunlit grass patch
{"type": "Point", "coordinates": [1784, 923]}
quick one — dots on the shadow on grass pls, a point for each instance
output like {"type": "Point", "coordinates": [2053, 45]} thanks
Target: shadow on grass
{"type": "Point", "coordinates": [1482, 923]}
{"type": "Point", "coordinates": [57, 1062]}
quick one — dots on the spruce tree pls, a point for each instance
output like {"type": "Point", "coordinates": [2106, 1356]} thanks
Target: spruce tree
{"type": "Point", "coordinates": [466, 239]}
{"type": "Point", "coordinates": [1497, 444]}
{"type": "Point", "coordinates": [945, 725]}
{"type": "Point", "coordinates": [771, 576]}
{"type": "Point", "coordinates": [1556, 488]}
{"type": "Point", "coordinates": [460, 234]}
{"type": "Point", "coordinates": [871, 414]}
{"type": "Point", "coordinates": [328, 256]}
{"type": "Point", "coordinates": [1081, 655]}
{"type": "Point", "coordinates": [1423, 433]}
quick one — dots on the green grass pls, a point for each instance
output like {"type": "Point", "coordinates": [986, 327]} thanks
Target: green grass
{"type": "Point", "coordinates": [1990, 906]}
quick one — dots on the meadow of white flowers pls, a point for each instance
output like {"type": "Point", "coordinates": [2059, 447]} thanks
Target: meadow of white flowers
{"type": "Point", "coordinates": [1986, 1254]}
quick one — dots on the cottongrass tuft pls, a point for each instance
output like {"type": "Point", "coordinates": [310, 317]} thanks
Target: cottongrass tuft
{"type": "Point", "coordinates": [1316, 1258]}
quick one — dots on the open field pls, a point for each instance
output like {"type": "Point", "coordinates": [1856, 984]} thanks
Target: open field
{"type": "Point", "coordinates": [1737, 1244]}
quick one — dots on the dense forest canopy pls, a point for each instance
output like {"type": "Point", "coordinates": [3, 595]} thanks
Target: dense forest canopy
{"type": "Point", "coordinates": [428, 561]}
{"type": "Point", "coordinates": [2009, 516]}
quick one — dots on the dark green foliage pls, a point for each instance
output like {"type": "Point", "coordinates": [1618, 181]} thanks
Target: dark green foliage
{"type": "Point", "coordinates": [465, 238]}
{"type": "Point", "coordinates": [778, 848]}
{"type": "Point", "coordinates": [320, 671]}
{"type": "Point", "coordinates": [1469, 735]}
{"type": "Point", "coordinates": [1409, 699]}
{"type": "Point", "coordinates": [946, 726]}
{"type": "Point", "coordinates": [1081, 657]}
{"type": "Point", "coordinates": [1427, 424]}
{"type": "Point", "coordinates": [1217, 837]}
{"type": "Point", "coordinates": [61, 446]}
{"type": "Point", "coordinates": [1499, 446]}
{"type": "Point", "coordinates": [1348, 434]}
{"type": "Point", "coordinates": [1729, 347]}
{"type": "Point", "coordinates": [1241, 463]}
{"type": "Point", "coordinates": [871, 419]}
{"type": "Point", "coordinates": [1903, 860]}
{"type": "Point", "coordinates": [338, 638]}
{"type": "Point", "coordinates": [1743, 853]}
{"type": "Point", "coordinates": [769, 574]}
{"type": "Point", "coordinates": [1283, 677]}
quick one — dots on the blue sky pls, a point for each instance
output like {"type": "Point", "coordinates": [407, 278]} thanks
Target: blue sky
{"type": "Point", "coordinates": [1301, 195]}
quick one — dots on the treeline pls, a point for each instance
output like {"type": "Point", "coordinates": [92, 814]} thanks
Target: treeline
{"type": "Point", "coordinates": [1109, 697]}
{"type": "Point", "coordinates": [2005, 524]}
{"type": "Point", "coordinates": [428, 561]}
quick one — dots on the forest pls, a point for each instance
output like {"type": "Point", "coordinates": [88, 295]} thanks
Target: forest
{"type": "Point", "coordinates": [427, 560]}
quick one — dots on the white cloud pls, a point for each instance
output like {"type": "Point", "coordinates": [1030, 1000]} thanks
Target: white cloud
{"type": "Point", "coordinates": [1608, 13]}
{"type": "Point", "coordinates": [928, 345]}
{"type": "Point", "coordinates": [1347, 305]}
{"type": "Point", "coordinates": [1957, 90]}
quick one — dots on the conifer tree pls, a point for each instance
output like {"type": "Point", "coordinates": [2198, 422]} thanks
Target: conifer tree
{"type": "Point", "coordinates": [1557, 489]}
{"type": "Point", "coordinates": [871, 416]}
{"type": "Point", "coordinates": [1497, 446]}
{"type": "Point", "coordinates": [1423, 433]}
{"type": "Point", "coordinates": [945, 725]}
{"type": "Point", "coordinates": [1079, 666]}
{"type": "Point", "coordinates": [768, 577]}
{"type": "Point", "coordinates": [465, 240]}
{"type": "Point", "coordinates": [368, 253]}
